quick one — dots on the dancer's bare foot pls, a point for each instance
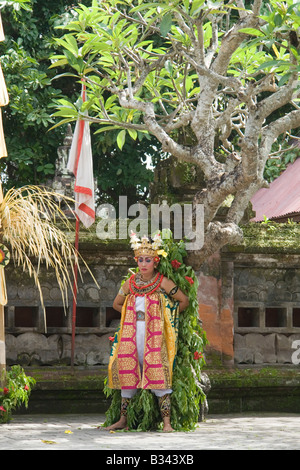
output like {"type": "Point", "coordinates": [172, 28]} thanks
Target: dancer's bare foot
{"type": "Point", "coordinates": [121, 424]}
{"type": "Point", "coordinates": [167, 425]}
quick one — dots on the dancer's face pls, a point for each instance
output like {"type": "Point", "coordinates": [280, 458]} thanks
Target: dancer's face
{"type": "Point", "coordinates": [146, 265]}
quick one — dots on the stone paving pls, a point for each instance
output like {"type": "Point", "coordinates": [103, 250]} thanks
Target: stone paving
{"type": "Point", "coordinates": [262, 431]}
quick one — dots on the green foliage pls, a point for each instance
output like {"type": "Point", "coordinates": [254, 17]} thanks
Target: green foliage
{"type": "Point", "coordinates": [17, 4]}
{"type": "Point", "coordinates": [101, 35]}
{"type": "Point", "coordinates": [31, 134]}
{"type": "Point", "coordinates": [143, 412]}
{"type": "Point", "coordinates": [187, 394]}
{"type": "Point", "coordinates": [126, 171]}
{"type": "Point", "coordinates": [273, 237]}
{"type": "Point", "coordinates": [106, 37]}
{"type": "Point", "coordinates": [15, 393]}
{"type": "Point", "coordinates": [128, 47]}
{"type": "Point", "coordinates": [26, 120]}
{"type": "Point", "coordinates": [275, 166]}
{"type": "Point", "coordinates": [280, 20]}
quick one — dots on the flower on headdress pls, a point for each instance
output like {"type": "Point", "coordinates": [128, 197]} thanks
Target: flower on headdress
{"type": "Point", "coordinates": [189, 279]}
{"type": "Point", "coordinates": [155, 246]}
{"type": "Point", "coordinates": [135, 241]}
{"type": "Point", "coordinates": [156, 241]}
{"type": "Point", "coordinates": [133, 237]}
{"type": "Point", "coordinates": [162, 253]}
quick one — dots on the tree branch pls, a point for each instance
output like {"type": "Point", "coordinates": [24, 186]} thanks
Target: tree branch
{"type": "Point", "coordinates": [276, 128]}
{"type": "Point", "coordinates": [234, 38]}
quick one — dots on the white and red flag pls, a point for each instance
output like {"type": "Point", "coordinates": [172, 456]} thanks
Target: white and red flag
{"type": "Point", "coordinates": [81, 165]}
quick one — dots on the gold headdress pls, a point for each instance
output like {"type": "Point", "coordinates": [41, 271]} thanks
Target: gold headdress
{"type": "Point", "coordinates": [145, 247]}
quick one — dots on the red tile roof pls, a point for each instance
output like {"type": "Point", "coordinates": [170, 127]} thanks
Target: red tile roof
{"type": "Point", "coordinates": [282, 198]}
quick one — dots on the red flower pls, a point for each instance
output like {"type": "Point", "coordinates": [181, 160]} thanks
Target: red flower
{"type": "Point", "coordinates": [26, 387]}
{"type": "Point", "coordinates": [197, 356]}
{"type": "Point", "coordinates": [2, 409]}
{"type": "Point", "coordinates": [111, 338]}
{"type": "Point", "coordinates": [189, 279]}
{"type": "Point", "coordinates": [5, 391]}
{"type": "Point", "coordinates": [175, 264]}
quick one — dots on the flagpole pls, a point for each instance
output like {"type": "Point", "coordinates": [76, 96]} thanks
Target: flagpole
{"type": "Point", "coordinates": [76, 244]}
{"type": "Point", "coordinates": [81, 165]}
{"type": "Point", "coordinates": [75, 293]}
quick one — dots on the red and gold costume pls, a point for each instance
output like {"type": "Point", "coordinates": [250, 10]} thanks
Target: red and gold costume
{"type": "Point", "coordinates": [161, 322]}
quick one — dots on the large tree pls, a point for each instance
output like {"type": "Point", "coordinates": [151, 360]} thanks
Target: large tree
{"type": "Point", "coordinates": [223, 74]}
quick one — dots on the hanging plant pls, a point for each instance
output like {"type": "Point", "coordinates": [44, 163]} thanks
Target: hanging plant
{"type": "Point", "coordinates": [143, 412]}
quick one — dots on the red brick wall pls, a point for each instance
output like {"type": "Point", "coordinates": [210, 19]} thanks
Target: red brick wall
{"type": "Point", "coordinates": [216, 310]}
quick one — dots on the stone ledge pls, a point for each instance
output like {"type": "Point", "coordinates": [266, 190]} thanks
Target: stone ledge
{"type": "Point", "coordinates": [254, 390]}
{"type": "Point", "coordinates": [56, 378]}
{"type": "Point", "coordinates": [245, 376]}
{"type": "Point", "coordinates": [58, 390]}
{"type": "Point", "coordinates": [61, 390]}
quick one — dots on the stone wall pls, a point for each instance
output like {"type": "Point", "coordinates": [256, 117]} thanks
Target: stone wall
{"type": "Point", "coordinates": [266, 308]}
{"type": "Point", "coordinates": [249, 306]}
{"type": "Point", "coordinates": [31, 342]}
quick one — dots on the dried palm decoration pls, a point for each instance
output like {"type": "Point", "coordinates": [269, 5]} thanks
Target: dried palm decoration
{"type": "Point", "coordinates": [30, 217]}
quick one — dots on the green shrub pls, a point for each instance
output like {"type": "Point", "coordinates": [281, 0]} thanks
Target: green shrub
{"type": "Point", "coordinates": [15, 393]}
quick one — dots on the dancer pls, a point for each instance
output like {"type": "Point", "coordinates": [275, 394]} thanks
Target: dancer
{"type": "Point", "coordinates": [144, 348]}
